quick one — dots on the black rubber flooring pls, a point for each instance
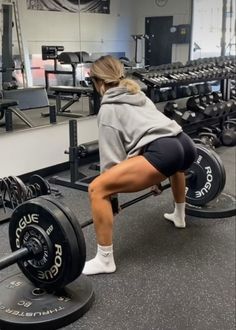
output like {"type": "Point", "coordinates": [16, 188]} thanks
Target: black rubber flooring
{"type": "Point", "coordinates": [166, 278]}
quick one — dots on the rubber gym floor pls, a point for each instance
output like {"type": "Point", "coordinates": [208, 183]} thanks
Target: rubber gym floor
{"type": "Point", "coordinates": [166, 278]}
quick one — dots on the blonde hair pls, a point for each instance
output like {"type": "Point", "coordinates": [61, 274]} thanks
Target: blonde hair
{"type": "Point", "coordinates": [110, 71]}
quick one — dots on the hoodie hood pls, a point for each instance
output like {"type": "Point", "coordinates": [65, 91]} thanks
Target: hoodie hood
{"type": "Point", "coordinates": [117, 95]}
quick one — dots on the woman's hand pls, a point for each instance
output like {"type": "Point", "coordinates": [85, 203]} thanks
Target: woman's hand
{"type": "Point", "coordinates": [156, 189]}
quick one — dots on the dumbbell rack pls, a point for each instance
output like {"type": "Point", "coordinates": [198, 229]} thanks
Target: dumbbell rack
{"type": "Point", "coordinates": [190, 74]}
{"type": "Point", "coordinates": [195, 73]}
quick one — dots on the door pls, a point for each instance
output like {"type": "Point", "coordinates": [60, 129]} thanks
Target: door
{"type": "Point", "coordinates": [158, 41]}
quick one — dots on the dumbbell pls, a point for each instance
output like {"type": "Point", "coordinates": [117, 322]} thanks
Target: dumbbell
{"type": "Point", "coordinates": [207, 88]}
{"type": "Point", "coordinates": [206, 99]}
{"type": "Point", "coordinates": [201, 89]}
{"type": "Point", "coordinates": [181, 116]}
{"type": "Point", "coordinates": [156, 95]}
{"type": "Point", "coordinates": [170, 108]}
{"type": "Point", "coordinates": [233, 94]}
{"type": "Point", "coordinates": [172, 94]}
{"type": "Point", "coordinates": [194, 104]}
{"type": "Point", "coordinates": [210, 136]}
{"type": "Point", "coordinates": [224, 107]}
{"type": "Point", "coordinates": [186, 91]}
{"type": "Point", "coordinates": [204, 139]}
{"type": "Point", "coordinates": [194, 89]}
{"type": "Point", "coordinates": [228, 135]}
{"type": "Point", "coordinates": [164, 95]}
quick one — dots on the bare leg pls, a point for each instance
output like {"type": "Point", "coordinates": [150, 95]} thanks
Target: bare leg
{"type": "Point", "coordinates": [178, 186]}
{"type": "Point", "coordinates": [178, 189]}
{"type": "Point", "coordinates": [131, 175]}
{"type": "Point", "coordinates": [103, 220]}
{"type": "Point", "coordinates": [124, 177]}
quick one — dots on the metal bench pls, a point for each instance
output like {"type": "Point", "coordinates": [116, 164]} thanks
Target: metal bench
{"type": "Point", "coordinates": [75, 92]}
{"type": "Point", "coordinates": [7, 108]}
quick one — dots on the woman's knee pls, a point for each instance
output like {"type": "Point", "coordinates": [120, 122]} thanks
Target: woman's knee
{"type": "Point", "coordinates": [96, 190]}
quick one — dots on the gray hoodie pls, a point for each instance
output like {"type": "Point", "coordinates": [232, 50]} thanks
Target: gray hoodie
{"type": "Point", "coordinates": [128, 122]}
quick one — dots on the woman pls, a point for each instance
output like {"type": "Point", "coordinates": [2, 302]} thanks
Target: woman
{"type": "Point", "coordinates": [139, 147]}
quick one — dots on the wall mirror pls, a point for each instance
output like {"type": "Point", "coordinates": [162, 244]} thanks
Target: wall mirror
{"type": "Point", "coordinates": [52, 44]}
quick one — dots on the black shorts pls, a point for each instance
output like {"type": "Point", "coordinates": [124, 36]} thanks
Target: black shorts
{"type": "Point", "coordinates": [171, 154]}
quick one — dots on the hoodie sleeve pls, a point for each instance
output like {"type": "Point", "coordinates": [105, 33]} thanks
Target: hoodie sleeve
{"type": "Point", "coordinates": [111, 149]}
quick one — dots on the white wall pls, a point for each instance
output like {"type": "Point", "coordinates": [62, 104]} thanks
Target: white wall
{"type": "Point", "coordinates": [99, 32]}
{"type": "Point", "coordinates": [179, 9]}
{"type": "Point", "coordinates": [79, 31]}
{"type": "Point", "coordinates": [33, 149]}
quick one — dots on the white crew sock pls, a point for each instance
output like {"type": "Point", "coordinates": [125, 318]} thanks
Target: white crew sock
{"type": "Point", "coordinates": [102, 263]}
{"type": "Point", "coordinates": [178, 216]}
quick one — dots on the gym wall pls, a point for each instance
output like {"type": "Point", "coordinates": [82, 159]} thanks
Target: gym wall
{"type": "Point", "coordinates": [33, 149]}
{"type": "Point", "coordinates": [79, 31]}
{"type": "Point", "coordinates": [181, 12]}
{"type": "Point", "coordinates": [99, 32]}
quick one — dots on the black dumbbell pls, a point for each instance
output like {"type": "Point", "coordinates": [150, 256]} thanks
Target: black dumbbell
{"type": "Point", "coordinates": [212, 132]}
{"type": "Point", "coordinates": [207, 139]}
{"type": "Point", "coordinates": [206, 99]}
{"type": "Point", "coordinates": [164, 95]}
{"type": "Point", "coordinates": [209, 110]}
{"type": "Point", "coordinates": [194, 89]}
{"type": "Point", "coordinates": [172, 94]}
{"type": "Point", "coordinates": [201, 89]}
{"type": "Point", "coordinates": [170, 108]}
{"type": "Point", "coordinates": [224, 107]}
{"type": "Point", "coordinates": [193, 104]}
{"type": "Point", "coordinates": [217, 97]}
{"type": "Point", "coordinates": [156, 96]}
{"type": "Point", "coordinates": [207, 88]}
{"type": "Point", "coordinates": [186, 91]}
{"type": "Point", "coordinates": [182, 116]}
{"type": "Point", "coordinates": [228, 135]}
{"type": "Point", "coordinates": [189, 117]}
{"type": "Point", "coordinates": [233, 94]}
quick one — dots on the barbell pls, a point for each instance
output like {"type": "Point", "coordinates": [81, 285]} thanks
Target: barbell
{"type": "Point", "coordinates": [48, 245]}
{"type": "Point", "coordinates": [43, 231]}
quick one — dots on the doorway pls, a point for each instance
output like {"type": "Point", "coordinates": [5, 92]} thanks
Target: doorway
{"type": "Point", "coordinates": [158, 41]}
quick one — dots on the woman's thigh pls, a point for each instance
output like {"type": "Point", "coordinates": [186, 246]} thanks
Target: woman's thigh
{"type": "Point", "coordinates": [131, 175]}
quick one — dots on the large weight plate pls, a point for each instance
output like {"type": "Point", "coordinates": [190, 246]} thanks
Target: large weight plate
{"type": "Point", "coordinates": [81, 258]}
{"type": "Point", "coordinates": [222, 177]}
{"type": "Point", "coordinates": [22, 306]}
{"type": "Point", "coordinates": [206, 182]}
{"type": "Point", "coordinates": [224, 206]}
{"type": "Point", "coordinates": [41, 220]}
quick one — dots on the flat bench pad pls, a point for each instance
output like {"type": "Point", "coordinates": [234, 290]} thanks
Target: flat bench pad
{"type": "Point", "coordinates": [71, 89]}
{"type": "Point", "coordinates": [5, 103]}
